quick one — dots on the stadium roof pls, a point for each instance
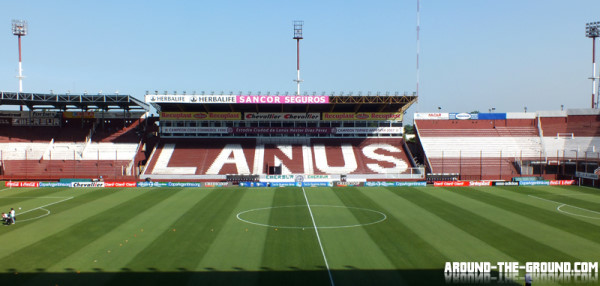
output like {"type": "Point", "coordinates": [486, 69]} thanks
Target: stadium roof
{"type": "Point", "coordinates": [65, 102]}
{"type": "Point", "coordinates": [379, 102]}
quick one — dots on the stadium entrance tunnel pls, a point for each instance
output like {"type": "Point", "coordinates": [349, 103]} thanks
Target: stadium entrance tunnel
{"type": "Point", "coordinates": [299, 217]}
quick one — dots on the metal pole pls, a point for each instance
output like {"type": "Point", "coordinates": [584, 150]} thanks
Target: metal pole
{"type": "Point", "coordinates": [298, 65]}
{"type": "Point", "coordinates": [418, 42]}
{"type": "Point", "coordinates": [20, 67]}
{"type": "Point", "coordinates": [594, 105]}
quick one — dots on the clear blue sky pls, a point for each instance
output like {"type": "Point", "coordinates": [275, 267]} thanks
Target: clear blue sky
{"type": "Point", "coordinates": [475, 54]}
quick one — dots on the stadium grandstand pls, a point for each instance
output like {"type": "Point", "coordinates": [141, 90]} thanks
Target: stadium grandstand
{"type": "Point", "coordinates": [71, 136]}
{"type": "Point", "coordinates": [503, 146]}
{"type": "Point", "coordinates": [281, 138]}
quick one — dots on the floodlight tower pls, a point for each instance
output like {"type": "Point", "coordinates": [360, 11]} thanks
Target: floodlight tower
{"type": "Point", "coordinates": [298, 36]}
{"type": "Point", "coordinates": [592, 30]}
{"type": "Point", "coordinates": [19, 29]}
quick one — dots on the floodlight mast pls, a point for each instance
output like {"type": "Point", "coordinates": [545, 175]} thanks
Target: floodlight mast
{"type": "Point", "coordinates": [298, 36]}
{"type": "Point", "coordinates": [592, 30]}
{"type": "Point", "coordinates": [19, 29]}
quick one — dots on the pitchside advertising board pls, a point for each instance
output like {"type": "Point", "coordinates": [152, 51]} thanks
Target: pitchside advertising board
{"type": "Point", "coordinates": [460, 116]}
{"type": "Point", "coordinates": [283, 130]}
{"type": "Point", "coordinates": [195, 116]}
{"type": "Point", "coordinates": [240, 99]}
{"type": "Point", "coordinates": [364, 116]}
{"type": "Point", "coordinates": [282, 116]}
{"type": "Point", "coordinates": [490, 183]}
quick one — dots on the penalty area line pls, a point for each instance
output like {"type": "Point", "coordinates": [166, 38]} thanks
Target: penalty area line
{"type": "Point", "coordinates": [318, 237]}
{"type": "Point", "coordinates": [558, 208]}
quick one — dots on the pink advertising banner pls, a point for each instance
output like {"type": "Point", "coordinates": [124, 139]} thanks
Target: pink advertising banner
{"type": "Point", "coordinates": [279, 99]}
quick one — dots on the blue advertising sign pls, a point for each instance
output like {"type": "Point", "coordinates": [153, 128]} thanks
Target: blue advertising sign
{"type": "Point", "coordinates": [54, 184]}
{"type": "Point", "coordinates": [534, 183]}
{"type": "Point", "coordinates": [151, 184]}
{"type": "Point", "coordinates": [286, 184]}
{"type": "Point", "coordinates": [396, 184]}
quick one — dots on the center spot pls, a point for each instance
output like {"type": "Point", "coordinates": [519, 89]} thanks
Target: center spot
{"type": "Point", "coordinates": [298, 216]}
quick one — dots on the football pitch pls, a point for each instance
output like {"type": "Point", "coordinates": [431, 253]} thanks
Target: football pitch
{"type": "Point", "coordinates": [293, 236]}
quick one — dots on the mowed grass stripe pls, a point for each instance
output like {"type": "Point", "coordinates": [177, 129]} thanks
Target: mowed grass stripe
{"type": "Point", "coordinates": [396, 240]}
{"type": "Point", "coordinates": [63, 216]}
{"type": "Point", "coordinates": [244, 239]}
{"type": "Point", "coordinates": [352, 253]}
{"type": "Point", "coordinates": [239, 246]}
{"type": "Point", "coordinates": [291, 249]}
{"type": "Point", "coordinates": [484, 222]}
{"type": "Point", "coordinates": [563, 225]}
{"type": "Point", "coordinates": [182, 245]}
{"type": "Point", "coordinates": [338, 241]}
{"type": "Point", "coordinates": [114, 249]}
{"type": "Point", "coordinates": [452, 241]}
{"type": "Point", "coordinates": [52, 249]}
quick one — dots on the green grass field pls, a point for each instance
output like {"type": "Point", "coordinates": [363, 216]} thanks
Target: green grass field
{"type": "Point", "coordinates": [267, 236]}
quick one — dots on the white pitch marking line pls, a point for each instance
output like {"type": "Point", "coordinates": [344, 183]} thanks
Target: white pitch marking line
{"type": "Point", "coordinates": [563, 204]}
{"type": "Point", "coordinates": [384, 217]}
{"type": "Point", "coordinates": [47, 205]}
{"type": "Point", "coordinates": [318, 238]}
{"type": "Point", "coordinates": [41, 216]}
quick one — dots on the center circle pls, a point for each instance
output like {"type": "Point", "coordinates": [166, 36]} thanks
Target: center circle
{"type": "Point", "coordinates": [299, 217]}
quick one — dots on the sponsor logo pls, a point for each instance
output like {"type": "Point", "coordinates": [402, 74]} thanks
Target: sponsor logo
{"type": "Point", "coordinates": [379, 116]}
{"type": "Point", "coordinates": [151, 184]}
{"type": "Point", "coordinates": [22, 184]}
{"type": "Point", "coordinates": [395, 184]}
{"type": "Point", "coordinates": [534, 183]}
{"type": "Point", "coordinates": [285, 184]}
{"type": "Point", "coordinates": [282, 116]}
{"type": "Point", "coordinates": [54, 185]}
{"type": "Point", "coordinates": [506, 183]}
{"type": "Point", "coordinates": [120, 184]}
{"type": "Point", "coordinates": [562, 182]}
{"type": "Point", "coordinates": [87, 184]}
{"type": "Point", "coordinates": [450, 184]}
{"type": "Point", "coordinates": [463, 116]}
{"type": "Point", "coordinates": [317, 184]}
{"type": "Point", "coordinates": [200, 116]}
{"type": "Point", "coordinates": [184, 184]}
{"type": "Point", "coordinates": [480, 183]}
{"type": "Point", "coordinates": [278, 99]}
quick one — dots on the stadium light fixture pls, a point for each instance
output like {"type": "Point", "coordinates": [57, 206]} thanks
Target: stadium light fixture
{"type": "Point", "coordinates": [19, 29]}
{"type": "Point", "coordinates": [592, 30]}
{"type": "Point", "coordinates": [298, 36]}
